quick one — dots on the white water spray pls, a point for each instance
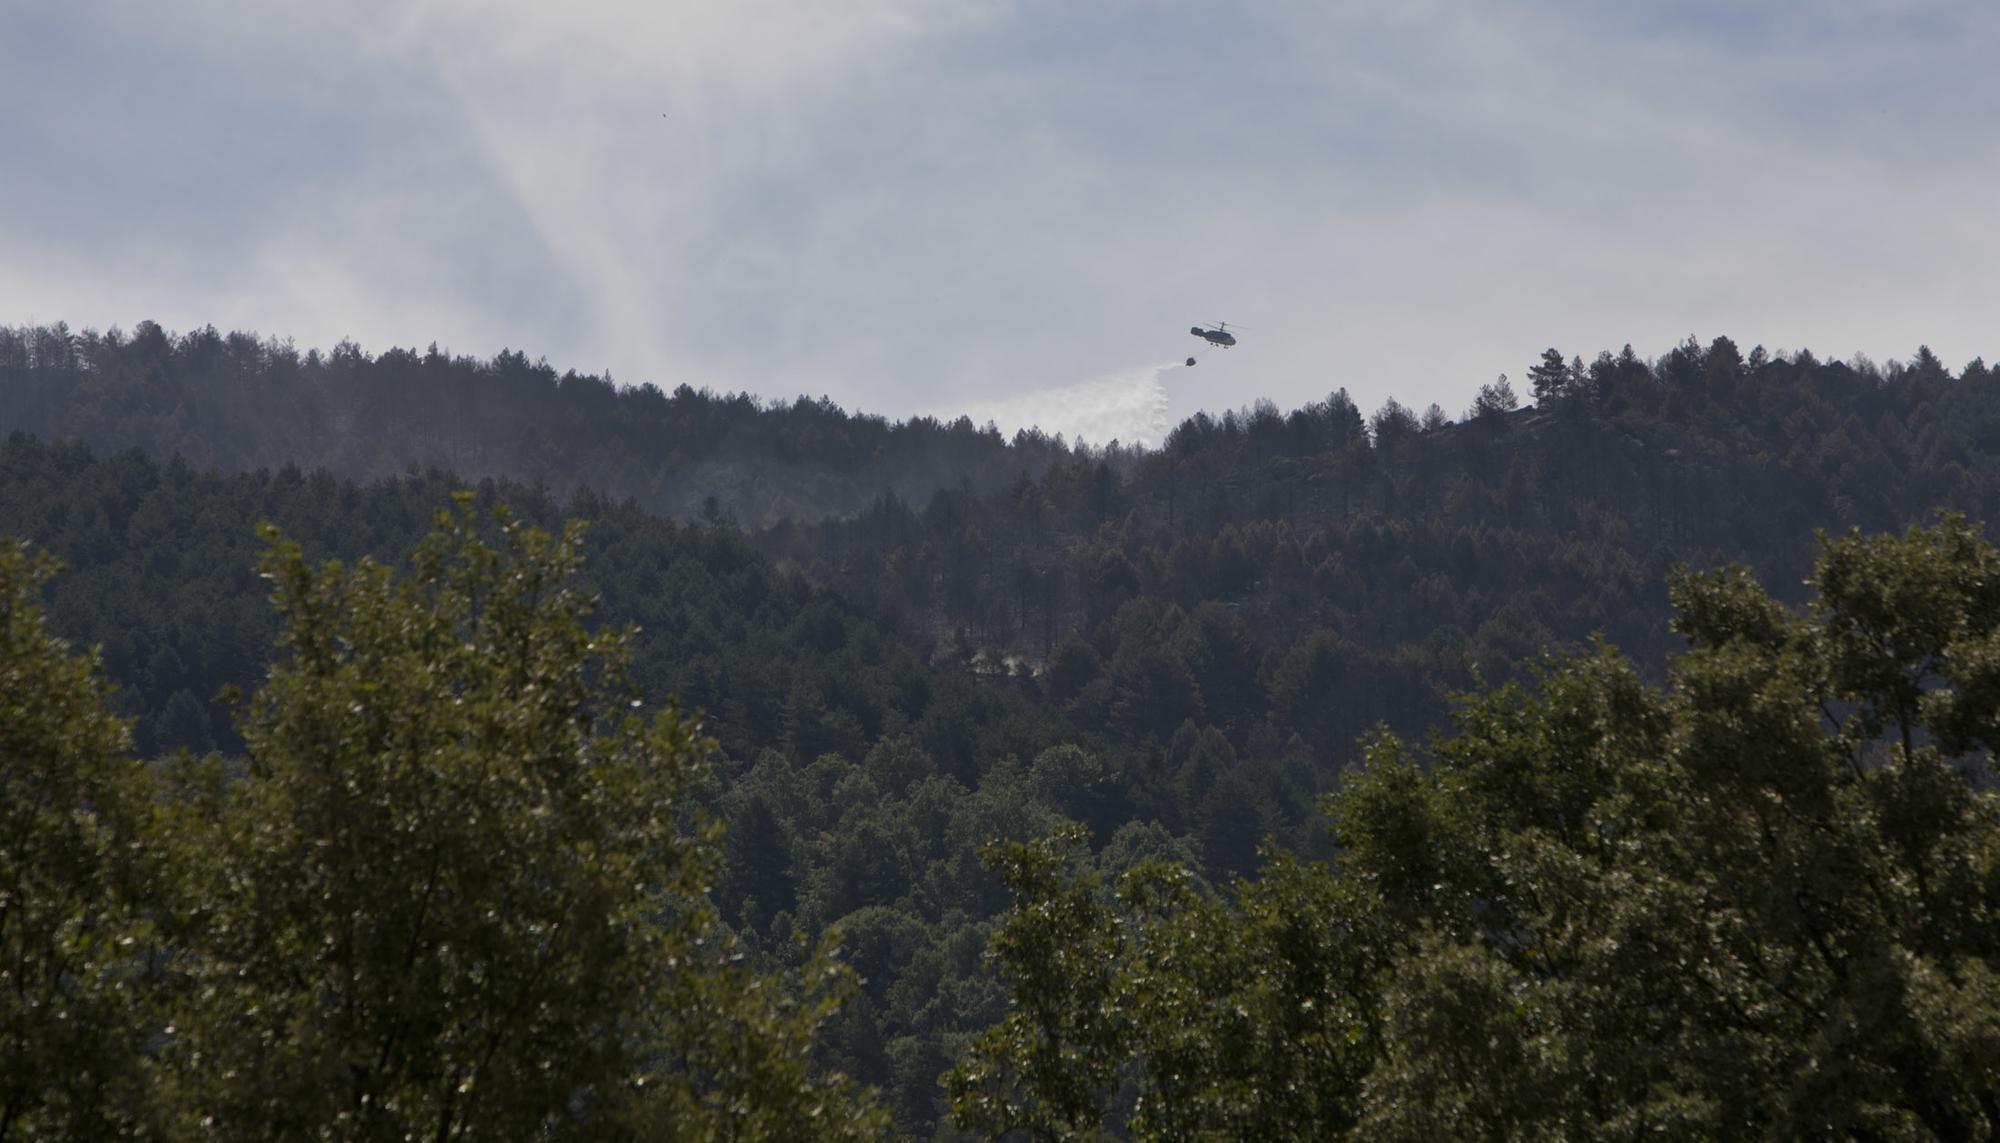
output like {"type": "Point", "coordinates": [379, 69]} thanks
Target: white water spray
{"type": "Point", "coordinates": [1129, 406]}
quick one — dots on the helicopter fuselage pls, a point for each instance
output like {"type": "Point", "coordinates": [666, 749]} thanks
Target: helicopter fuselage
{"type": "Point", "coordinates": [1220, 337]}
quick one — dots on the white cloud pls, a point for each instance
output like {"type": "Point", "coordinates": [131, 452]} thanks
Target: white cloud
{"type": "Point", "coordinates": [931, 206]}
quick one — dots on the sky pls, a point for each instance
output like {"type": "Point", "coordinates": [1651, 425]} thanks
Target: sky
{"type": "Point", "coordinates": [1012, 210]}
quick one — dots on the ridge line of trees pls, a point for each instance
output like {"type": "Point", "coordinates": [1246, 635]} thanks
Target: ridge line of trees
{"type": "Point", "coordinates": [240, 402]}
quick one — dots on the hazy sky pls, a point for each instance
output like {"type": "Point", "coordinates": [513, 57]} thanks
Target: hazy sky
{"type": "Point", "coordinates": [1013, 209]}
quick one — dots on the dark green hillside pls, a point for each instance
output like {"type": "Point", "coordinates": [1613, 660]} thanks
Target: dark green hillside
{"type": "Point", "coordinates": [1292, 579]}
{"type": "Point", "coordinates": [1754, 901]}
{"type": "Point", "coordinates": [161, 575]}
{"type": "Point", "coordinates": [857, 779]}
{"type": "Point", "coordinates": [240, 403]}
{"type": "Point", "coordinates": [455, 886]}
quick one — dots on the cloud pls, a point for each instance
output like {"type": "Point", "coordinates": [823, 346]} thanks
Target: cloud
{"type": "Point", "coordinates": [631, 136]}
{"type": "Point", "coordinates": [926, 207]}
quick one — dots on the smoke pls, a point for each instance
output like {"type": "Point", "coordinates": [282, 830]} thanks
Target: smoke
{"type": "Point", "coordinates": [1131, 407]}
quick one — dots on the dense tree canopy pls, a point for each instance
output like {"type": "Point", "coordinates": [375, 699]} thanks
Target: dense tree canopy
{"type": "Point", "coordinates": [454, 892]}
{"type": "Point", "coordinates": [1175, 650]}
{"type": "Point", "coordinates": [240, 402]}
{"type": "Point", "coordinates": [1758, 901]}
{"type": "Point", "coordinates": [77, 871]}
{"type": "Point", "coordinates": [855, 778]}
{"type": "Point", "coordinates": [1293, 579]}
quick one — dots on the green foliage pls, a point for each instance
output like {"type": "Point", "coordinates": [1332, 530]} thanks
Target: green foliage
{"type": "Point", "coordinates": [1758, 902]}
{"type": "Point", "coordinates": [239, 402]}
{"type": "Point", "coordinates": [78, 867]}
{"type": "Point", "coordinates": [1045, 1068]}
{"type": "Point", "coordinates": [455, 895]}
{"type": "Point", "coordinates": [1728, 936]}
{"type": "Point", "coordinates": [1158, 1010]}
{"type": "Point", "coordinates": [458, 889]}
{"type": "Point", "coordinates": [785, 674]}
{"type": "Point", "coordinates": [1371, 579]}
{"type": "Point", "coordinates": [1177, 648]}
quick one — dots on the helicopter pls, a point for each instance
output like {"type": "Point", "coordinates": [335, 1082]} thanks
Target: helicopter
{"type": "Point", "coordinates": [1220, 335]}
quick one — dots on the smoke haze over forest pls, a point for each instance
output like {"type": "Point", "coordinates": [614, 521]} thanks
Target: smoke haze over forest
{"type": "Point", "coordinates": [1134, 406]}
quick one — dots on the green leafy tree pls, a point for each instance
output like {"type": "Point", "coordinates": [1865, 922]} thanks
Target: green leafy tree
{"type": "Point", "coordinates": [1154, 1008]}
{"type": "Point", "coordinates": [1757, 902]}
{"type": "Point", "coordinates": [1732, 907]}
{"type": "Point", "coordinates": [457, 894]}
{"type": "Point", "coordinates": [78, 867]}
{"type": "Point", "coordinates": [1046, 1068]}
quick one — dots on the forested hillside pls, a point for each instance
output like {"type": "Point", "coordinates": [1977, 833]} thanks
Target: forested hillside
{"type": "Point", "coordinates": [1292, 579]}
{"type": "Point", "coordinates": [910, 641]}
{"type": "Point", "coordinates": [451, 887]}
{"type": "Point", "coordinates": [239, 403]}
{"type": "Point", "coordinates": [856, 779]}
{"type": "Point", "coordinates": [1756, 902]}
